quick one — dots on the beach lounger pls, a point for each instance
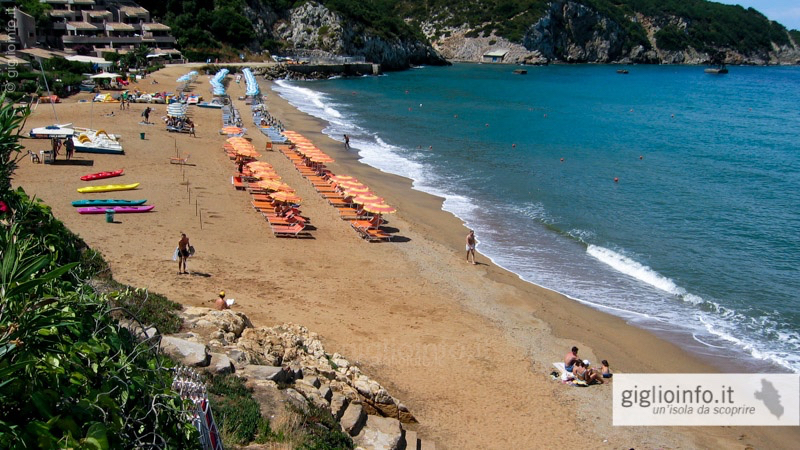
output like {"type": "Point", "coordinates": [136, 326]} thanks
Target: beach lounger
{"type": "Point", "coordinates": [179, 159]}
{"type": "Point", "coordinates": [374, 235]}
{"type": "Point", "coordinates": [237, 183]}
{"type": "Point", "coordinates": [295, 230]}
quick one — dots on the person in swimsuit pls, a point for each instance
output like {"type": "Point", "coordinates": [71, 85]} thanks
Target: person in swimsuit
{"type": "Point", "coordinates": [605, 371]}
{"type": "Point", "coordinates": [570, 359]}
{"type": "Point", "coordinates": [579, 371]}
{"type": "Point", "coordinates": [221, 303]}
{"type": "Point", "coordinates": [183, 253]}
{"type": "Point", "coordinates": [471, 246]}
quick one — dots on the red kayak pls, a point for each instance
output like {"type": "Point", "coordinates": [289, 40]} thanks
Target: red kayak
{"type": "Point", "coordinates": [100, 175]}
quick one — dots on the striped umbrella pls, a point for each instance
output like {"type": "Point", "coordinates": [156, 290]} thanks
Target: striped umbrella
{"type": "Point", "coordinates": [379, 208]}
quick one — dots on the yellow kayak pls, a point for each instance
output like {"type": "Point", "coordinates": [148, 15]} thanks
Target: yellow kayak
{"type": "Point", "coordinates": [108, 187]}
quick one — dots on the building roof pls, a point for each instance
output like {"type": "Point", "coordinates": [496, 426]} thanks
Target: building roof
{"type": "Point", "coordinates": [81, 26]}
{"type": "Point", "coordinates": [56, 2]}
{"type": "Point", "coordinates": [119, 26]}
{"type": "Point", "coordinates": [6, 60]}
{"type": "Point", "coordinates": [98, 13]}
{"type": "Point", "coordinates": [496, 53]}
{"type": "Point", "coordinates": [134, 10]}
{"type": "Point", "coordinates": [61, 12]}
{"type": "Point", "coordinates": [5, 38]}
{"type": "Point", "coordinates": [82, 2]}
{"type": "Point", "coordinates": [39, 52]}
{"type": "Point", "coordinates": [155, 26]}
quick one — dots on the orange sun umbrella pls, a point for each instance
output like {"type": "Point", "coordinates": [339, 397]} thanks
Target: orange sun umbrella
{"type": "Point", "coordinates": [378, 208]}
{"type": "Point", "coordinates": [286, 197]}
{"type": "Point", "coordinates": [342, 178]}
{"type": "Point", "coordinates": [356, 190]}
{"type": "Point", "coordinates": [248, 153]}
{"type": "Point", "coordinates": [362, 199]}
{"type": "Point", "coordinates": [274, 185]}
{"type": "Point", "coordinates": [231, 130]}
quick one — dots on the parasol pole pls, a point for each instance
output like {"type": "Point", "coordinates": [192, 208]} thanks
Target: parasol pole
{"type": "Point", "coordinates": [48, 88]}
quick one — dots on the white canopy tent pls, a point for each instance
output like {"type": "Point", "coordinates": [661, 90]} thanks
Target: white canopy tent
{"type": "Point", "coordinates": [105, 75]}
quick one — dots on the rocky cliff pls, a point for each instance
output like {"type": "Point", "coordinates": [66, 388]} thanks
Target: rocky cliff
{"type": "Point", "coordinates": [314, 29]}
{"type": "Point", "coordinates": [568, 31]}
{"type": "Point", "coordinates": [572, 32]}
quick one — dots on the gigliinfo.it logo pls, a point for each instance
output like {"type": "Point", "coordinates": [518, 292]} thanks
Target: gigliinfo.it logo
{"type": "Point", "coordinates": [706, 399]}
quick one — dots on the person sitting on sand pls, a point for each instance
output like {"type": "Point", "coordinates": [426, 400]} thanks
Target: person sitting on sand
{"type": "Point", "coordinates": [570, 359]}
{"type": "Point", "coordinates": [591, 375]}
{"type": "Point", "coordinates": [605, 371]}
{"type": "Point", "coordinates": [221, 303]}
{"type": "Point", "coordinates": [579, 371]}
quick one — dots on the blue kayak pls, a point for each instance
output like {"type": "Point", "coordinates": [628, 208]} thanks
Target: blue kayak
{"type": "Point", "coordinates": [108, 202]}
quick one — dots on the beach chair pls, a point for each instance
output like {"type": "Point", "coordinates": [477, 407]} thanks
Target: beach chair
{"type": "Point", "coordinates": [179, 159]}
{"type": "Point", "coordinates": [294, 230]}
{"type": "Point", "coordinates": [374, 235]}
{"type": "Point", "coordinates": [237, 183]}
{"type": "Point", "coordinates": [34, 157]}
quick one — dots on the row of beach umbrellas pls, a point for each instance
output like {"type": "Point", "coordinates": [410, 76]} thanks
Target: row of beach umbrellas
{"type": "Point", "coordinates": [252, 85]}
{"type": "Point", "coordinates": [217, 88]}
{"type": "Point", "coordinates": [350, 187]}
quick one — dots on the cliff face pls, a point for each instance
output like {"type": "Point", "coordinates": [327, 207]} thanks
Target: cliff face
{"type": "Point", "coordinates": [572, 32]}
{"type": "Point", "coordinates": [313, 29]}
{"type": "Point", "coordinates": [567, 31]}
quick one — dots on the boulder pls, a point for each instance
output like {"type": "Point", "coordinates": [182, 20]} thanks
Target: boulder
{"type": "Point", "coordinates": [338, 405]}
{"type": "Point", "coordinates": [220, 364]}
{"type": "Point", "coordinates": [380, 433]}
{"type": "Point", "coordinates": [188, 353]}
{"type": "Point", "coordinates": [353, 419]}
{"type": "Point", "coordinates": [272, 373]}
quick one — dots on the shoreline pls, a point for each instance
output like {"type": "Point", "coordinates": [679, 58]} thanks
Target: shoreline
{"type": "Point", "coordinates": [445, 337]}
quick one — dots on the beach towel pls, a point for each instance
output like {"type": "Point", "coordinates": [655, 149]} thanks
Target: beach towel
{"type": "Point", "coordinates": [562, 370]}
{"type": "Point", "coordinates": [176, 254]}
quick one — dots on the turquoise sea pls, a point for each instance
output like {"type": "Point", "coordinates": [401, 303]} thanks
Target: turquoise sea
{"type": "Point", "coordinates": [698, 240]}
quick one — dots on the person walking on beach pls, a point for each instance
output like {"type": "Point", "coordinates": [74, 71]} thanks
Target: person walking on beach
{"type": "Point", "coordinates": [146, 114]}
{"type": "Point", "coordinates": [346, 141]}
{"type": "Point", "coordinates": [69, 145]}
{"type": "Point", "coordinates": [471, 246]}
{"type": "Point", "coordinates": [56, 142]}
{"type": "Point", "coordinates": [183, 253]}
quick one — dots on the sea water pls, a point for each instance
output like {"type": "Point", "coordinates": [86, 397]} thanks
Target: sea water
{"type": "Point", "coordinates": [666, 196]}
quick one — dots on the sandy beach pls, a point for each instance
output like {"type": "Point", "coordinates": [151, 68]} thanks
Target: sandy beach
{"type": "Point", "coordinates": [468, 349]}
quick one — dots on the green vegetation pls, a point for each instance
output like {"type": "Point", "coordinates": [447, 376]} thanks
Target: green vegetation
{"type": "Point", "coordinates": [237, 414]}
{"type": "Point", "coordinates": [71, 376]}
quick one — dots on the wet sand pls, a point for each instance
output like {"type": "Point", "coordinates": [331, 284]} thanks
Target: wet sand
{"type": "Point", "coordinates": [467, 348]}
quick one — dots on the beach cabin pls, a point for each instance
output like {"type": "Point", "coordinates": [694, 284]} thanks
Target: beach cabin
{"type": "Point", "coordinates": [494, 56]}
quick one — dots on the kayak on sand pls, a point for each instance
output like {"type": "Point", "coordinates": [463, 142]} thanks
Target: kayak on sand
{"type": "Point", "coordinates": [116, 209]}
{"type": "Point", "coordinates": [108, 187]}
{"type": "Point", "coordinates": [108, 202]}
{"type": "Point", "coordinates": [101, 175]}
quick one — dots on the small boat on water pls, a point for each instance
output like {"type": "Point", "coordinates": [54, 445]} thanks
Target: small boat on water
{"type": "Point", "coordinates": [520, 71]}
{"type": "Point", "coordinates": [108, 188]}
{"type": "Point", "coordinates": [622, 71]}
{"type": "Point", "coordinates": [108, 202]}
{"type": "Point", "coordinates": [101, 175]}
{"type": "Point", "coordinates": [116, 209]}
{"type": "Point", "coordinates": [717, 69]}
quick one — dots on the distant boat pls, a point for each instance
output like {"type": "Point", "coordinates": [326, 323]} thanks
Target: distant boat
{"type": "Point", "coordinates": [622, 71]}
{"type": "Point", "coordinates": [521, 72]}
{"type": "Point", "coordinates": [717, 69]}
